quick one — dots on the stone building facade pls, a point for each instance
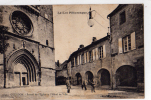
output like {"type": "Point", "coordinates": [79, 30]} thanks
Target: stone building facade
{"type": "Point", "coordinates": [27, 46]}
{"type": "Point", "coordinates": [116, 60]}
{"type": "Point", "coordinates": [61, 73]}
{"type": "Point", "coordinates": [127, 45]}
{"type": "Point", "coordinates": [91, 63]}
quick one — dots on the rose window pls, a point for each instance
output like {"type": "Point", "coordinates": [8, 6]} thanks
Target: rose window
{"type": "Point", "coordinates": [21, 23]}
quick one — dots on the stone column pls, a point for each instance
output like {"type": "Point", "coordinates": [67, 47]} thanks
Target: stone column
{"type": "Point", "coordinates": [99, 81]}
{"type": "Point", "coordinates": [96, 79]}
{"type": "Point", "coordinates": [83, 76]}
{"type": "Point", "coordinates": [114, 81]}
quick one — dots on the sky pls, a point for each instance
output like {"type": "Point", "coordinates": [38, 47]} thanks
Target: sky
{"type": "Point", "coordinates": [71, 30]}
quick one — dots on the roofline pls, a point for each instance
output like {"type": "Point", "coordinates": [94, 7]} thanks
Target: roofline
{"type": "Point", "coordinates": [64, 63]}
{"type": "Point", "coordinates": [96, 42]}
{"type": "Point", "coordinates": [116, 9]}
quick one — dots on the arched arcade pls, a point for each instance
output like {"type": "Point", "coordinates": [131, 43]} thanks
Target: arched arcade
{"type": "Point", "coordinates": [104, 77]}
{"type": "Point", "coordinates": [126, 76]}
{"type": "Point", "coordinates": [89, 76]}
{"type": "Point", "coordinates": [79, 78]}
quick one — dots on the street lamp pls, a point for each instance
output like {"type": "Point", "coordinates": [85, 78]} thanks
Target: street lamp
{"type": "Point", "coordinates": [90, 20]}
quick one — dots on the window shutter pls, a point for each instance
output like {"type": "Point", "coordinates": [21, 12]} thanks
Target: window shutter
{"type": "Point", "coordinates": [74, 61]}
{"type": "Point", "coordinates": [87, 56]}
{"type": "Point", "coordinates": [96, 50]}
{"type": "Point", "coordinates": [93, 54]}
{"type": "Point", "coordinates": [133, 45]}
{"type": "Point", "coordinates": [120, 45]}
{"type": "Point", "coordinates": [104, 51]}
{"type": "Point", "coordinates": [98, 53]}
{"type": "Point", "coordinates": [78, 60]}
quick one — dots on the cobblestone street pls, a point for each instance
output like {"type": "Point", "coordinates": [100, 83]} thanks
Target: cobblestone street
{"type": "Point", "coordinates": [60, 92]}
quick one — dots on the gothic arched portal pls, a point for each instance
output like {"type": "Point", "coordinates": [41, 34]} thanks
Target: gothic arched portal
{"type": "Point", "coordinates": [22, 69]}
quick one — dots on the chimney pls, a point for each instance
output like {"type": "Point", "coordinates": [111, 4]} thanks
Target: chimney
{"type": "Point", "coordinates": [81, 46]}
{"type": "Point", "coordinates": [58, 63]}
{"type": "Point", "coordinates": [93, 39]}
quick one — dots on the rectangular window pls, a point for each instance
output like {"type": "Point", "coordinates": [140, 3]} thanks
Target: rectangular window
{"type": "Point", "coordinates": [72, 62]}
{"type": "Point", "coordinates": [47, 42]}
{"type": "Point", "coordinates": [76, 62]}
{"type": "Point", "coordinates": [101, 51]}
{"type": "Point", "coordinates": [90, 56]}
{"type": "Point", "coordinates": [82, 58]}
{"type": "Point", "coordinates": [127, 43]}
{"type": "Point", "coordinates": [122, 17]}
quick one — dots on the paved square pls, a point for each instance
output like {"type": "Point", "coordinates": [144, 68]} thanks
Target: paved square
{"type": "Point", "coordinates": [60, 92]}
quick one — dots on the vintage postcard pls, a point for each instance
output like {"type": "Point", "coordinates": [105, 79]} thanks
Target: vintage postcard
{"type": "Point", "coordinates": [76, 51]}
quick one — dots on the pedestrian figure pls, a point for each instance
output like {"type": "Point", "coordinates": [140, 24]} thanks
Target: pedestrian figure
{"type": "Point", "coordinates": [84, 83]}
{"type": "Point", "coordinates": [68, 85]}
{"type": "Point", "coordinates": [92, 86]}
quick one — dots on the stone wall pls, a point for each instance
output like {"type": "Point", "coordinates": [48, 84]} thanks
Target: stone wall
{"type": "Point", "coordinates": [133, 23]}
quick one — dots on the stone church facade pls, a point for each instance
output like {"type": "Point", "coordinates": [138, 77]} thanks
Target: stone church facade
{"type": "Point", "coordinates": [26, 46]}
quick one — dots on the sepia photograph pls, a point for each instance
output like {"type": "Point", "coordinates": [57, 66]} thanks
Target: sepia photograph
{"type": "Point", "coordinates": [74, 51]}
